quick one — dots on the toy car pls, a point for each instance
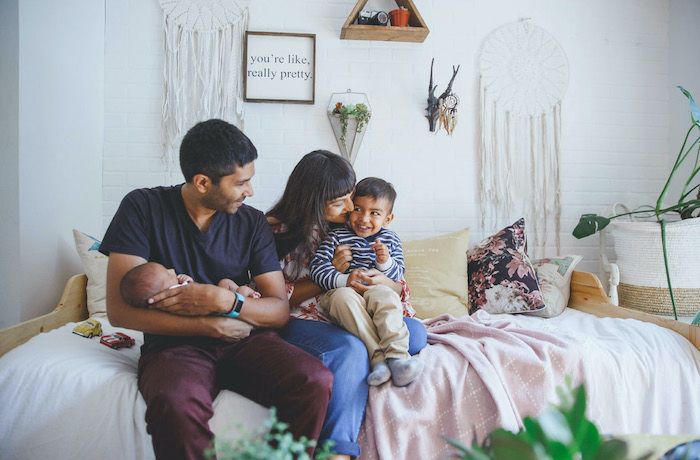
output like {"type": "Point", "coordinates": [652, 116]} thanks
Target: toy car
{"type": "Point", "coordinates": [89, 328]}
{"type": "Point", "coordinates": [117, 340]}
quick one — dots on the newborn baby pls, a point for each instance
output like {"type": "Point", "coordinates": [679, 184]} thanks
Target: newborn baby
{"type": "Point", "coordinates": [146, 280]}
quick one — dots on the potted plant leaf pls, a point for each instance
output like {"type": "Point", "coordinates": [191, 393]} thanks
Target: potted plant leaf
{"type": "Point", "coordinates": [562, 432]}
{"type": "Point", "coordinates": [669, 245]}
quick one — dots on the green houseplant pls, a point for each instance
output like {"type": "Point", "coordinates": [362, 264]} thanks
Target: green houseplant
{"type": "Point", "coordinates": [360, 112]}
{"type": "Point", "coordinates": [686, 207]}
{"type": "Point", "coordinates": [561, 432]}
{"type": "Point", "coordinates": [275, 443]}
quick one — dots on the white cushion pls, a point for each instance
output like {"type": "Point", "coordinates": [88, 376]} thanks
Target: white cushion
{"type": "Point", "coordinates": [95, 266]}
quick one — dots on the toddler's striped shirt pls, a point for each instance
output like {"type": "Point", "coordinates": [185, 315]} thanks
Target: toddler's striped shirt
{"type": "Point", "coordinates": [324, 273]}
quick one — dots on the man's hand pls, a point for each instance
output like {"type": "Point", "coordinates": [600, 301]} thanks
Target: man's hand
{"type": "Point", "coordinates": [381, 251]}
{"type": "Point", "coordinates": [193, 299]}
{"type": "Point", "coordinates": [342, 258]}
{"type": "Point", "coordinates": [230, 329]}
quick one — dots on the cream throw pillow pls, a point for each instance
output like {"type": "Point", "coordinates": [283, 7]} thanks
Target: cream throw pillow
{"type": "Point", "coordinates": [436, 271]}
{"type": "Point", "coordinates": [554, 276]}
{"type": "Point", "coordinates": [95, 265]}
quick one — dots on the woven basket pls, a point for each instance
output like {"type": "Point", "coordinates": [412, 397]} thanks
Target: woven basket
{"type": "Point", "coordinates": [640, 257]}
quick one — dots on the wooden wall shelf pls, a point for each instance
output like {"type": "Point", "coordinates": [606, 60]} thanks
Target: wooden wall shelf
{"type": "Point", "coordinates": [416, 31]}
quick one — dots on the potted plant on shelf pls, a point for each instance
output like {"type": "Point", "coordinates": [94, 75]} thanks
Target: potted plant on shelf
{"type": "Point", "coordinates": [674, 227]}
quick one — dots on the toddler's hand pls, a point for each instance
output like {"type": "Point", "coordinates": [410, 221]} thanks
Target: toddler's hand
{"type": "Point", "coordinates": [381, 251]}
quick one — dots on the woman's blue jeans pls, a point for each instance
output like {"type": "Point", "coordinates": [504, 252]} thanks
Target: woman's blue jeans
{"type": "Point", "coordinates": [345, 355]}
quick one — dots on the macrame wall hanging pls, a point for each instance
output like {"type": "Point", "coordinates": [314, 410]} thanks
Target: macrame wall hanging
{"type": "Point", "coordinates": [203, 49]}
{"type": "Point", "coordinates": [523, 77]}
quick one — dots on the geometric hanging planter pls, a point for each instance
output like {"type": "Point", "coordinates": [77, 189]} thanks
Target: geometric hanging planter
{"type": "Point", "coordinates": [349, 114]}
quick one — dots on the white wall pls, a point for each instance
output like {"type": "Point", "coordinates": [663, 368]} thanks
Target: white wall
{"type": "Point", "coordinates": [684, 70]}
{"type": "Point", "coordinates": [9, 152]}
{"type": "Point", "coordinates": [59, 160]}
{"type": "Point", "coordinates": [615, 114]}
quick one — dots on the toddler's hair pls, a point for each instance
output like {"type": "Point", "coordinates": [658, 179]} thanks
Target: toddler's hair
{"type": "Point", "coordinates": [376, 188]}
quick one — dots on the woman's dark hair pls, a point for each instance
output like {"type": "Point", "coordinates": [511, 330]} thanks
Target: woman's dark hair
{"type": "Point", "coordinates": [320, 176]}
{"type": "Point", "coordinates": [214, 148]}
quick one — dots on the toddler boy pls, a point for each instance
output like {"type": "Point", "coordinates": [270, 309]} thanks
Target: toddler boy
{"type": "Point", "coordinates": [376, 316]}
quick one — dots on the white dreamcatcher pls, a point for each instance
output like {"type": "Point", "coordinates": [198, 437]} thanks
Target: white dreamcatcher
{"type": "Point", "coordinates": [523, 77]}
{"type": "Point", "coordinates": [203, 47]}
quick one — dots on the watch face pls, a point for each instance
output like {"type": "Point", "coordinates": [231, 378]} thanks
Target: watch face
{"type": "Point", "coordinates": [239, 302]}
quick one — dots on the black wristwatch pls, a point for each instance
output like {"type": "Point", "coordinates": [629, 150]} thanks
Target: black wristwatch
{"type": "Point", "coordinates": [236, 307]}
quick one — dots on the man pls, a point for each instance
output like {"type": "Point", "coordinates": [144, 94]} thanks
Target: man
{"type": "Point", "coordinates": [201, 338]}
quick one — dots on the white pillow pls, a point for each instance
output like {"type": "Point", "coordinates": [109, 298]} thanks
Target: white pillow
{"type": "Point", "coordinates": [554, 276]}
{"type": "Point", "coordinates": [95, 266]}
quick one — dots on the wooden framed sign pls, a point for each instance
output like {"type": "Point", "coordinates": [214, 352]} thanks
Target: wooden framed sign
{"type": "Point", "coordinates": [279, 67]}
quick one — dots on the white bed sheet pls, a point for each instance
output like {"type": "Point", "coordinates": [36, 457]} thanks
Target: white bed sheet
{"type": "Point", "coordinates": [63, 396]}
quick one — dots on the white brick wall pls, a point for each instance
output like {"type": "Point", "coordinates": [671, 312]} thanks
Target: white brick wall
{"type": "Point", "coordinates": [615, 114]}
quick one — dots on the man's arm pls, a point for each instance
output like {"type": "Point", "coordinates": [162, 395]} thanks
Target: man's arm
{"type": "Point", "coordinates": [272, 308]}
{"type": "Point", "coordinates": [158, 322]}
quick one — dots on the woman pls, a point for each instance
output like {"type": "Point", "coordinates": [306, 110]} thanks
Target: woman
{"type": "Point", "coordinates": [318, 196]}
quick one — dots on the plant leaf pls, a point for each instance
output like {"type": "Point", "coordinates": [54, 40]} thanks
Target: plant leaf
{"type": "Point", "coordinates": [588, 224]}
{"type": "Point", "coordinates": [696, 320]}
{"type": "Point", "coordinates": [555, 426]}
{"type": "Point", "coordinates": [506, 445]}
{"type": "Point", "coordinates": [694, 110]}
{"type": "Point", "coordinates": [589, 440]}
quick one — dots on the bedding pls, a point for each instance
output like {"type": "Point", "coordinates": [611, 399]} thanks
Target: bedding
{"type": "Point", "coordinates": [492, 370]}
{"type": "Point", "coordinates": [64, 396]}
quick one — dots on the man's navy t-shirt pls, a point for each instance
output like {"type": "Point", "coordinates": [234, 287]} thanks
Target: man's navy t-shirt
{"type": "Point", "coordinates": [154, 224]}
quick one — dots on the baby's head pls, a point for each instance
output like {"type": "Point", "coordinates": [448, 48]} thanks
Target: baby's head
{"type": "Point", "coordinates": [373, 203]}
{"type": "Point", "coordinates": [144, 281]}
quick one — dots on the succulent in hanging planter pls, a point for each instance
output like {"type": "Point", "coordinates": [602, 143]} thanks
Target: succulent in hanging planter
{"type": "Point", "coordinates": [360, 112]}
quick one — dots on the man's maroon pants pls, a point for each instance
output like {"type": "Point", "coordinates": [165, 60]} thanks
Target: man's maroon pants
{"type": "Point", "coordinates": [180, 382]}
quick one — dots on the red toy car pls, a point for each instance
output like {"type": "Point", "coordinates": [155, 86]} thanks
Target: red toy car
{"type": "Point", "coordinates": [117, 340]}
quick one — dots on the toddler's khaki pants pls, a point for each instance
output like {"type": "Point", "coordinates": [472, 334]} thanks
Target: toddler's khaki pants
{"type": "Point", "coordinates": [375, 317]}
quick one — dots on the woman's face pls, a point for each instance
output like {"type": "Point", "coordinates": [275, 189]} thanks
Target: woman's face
{"type": "Point", "coordinates": [337, 209]}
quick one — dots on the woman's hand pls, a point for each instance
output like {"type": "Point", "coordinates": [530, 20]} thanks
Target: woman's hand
{"type": "Point", "coordinates": [365, 279]}
{"type": "Point", "coordinates": [342, 258]}
{"type": "Point", "coordinates": [193, 299]}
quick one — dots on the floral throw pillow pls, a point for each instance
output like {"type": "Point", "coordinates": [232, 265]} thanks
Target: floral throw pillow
{"type": "Point", "coordinates": [501, 276]}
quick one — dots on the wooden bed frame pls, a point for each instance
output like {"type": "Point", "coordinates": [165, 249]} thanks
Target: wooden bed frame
{"type": "Point", "coordinates": [587, 295]}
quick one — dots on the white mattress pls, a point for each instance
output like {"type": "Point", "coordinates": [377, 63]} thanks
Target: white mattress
{"type": "Point", "coordinates": [63, 396]}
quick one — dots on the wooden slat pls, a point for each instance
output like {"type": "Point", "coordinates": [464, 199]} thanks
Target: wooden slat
{"type": "Point", "coordinates": [416, 32]}
{"type": "Point", "coordinates": [384, 33]}
{"type": "Point", "coordinates": [588, 295]}
{"type": "Point", "coordinates": [71, 308]}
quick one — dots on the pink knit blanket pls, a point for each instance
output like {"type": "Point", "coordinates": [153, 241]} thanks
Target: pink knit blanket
{"type": "Point", "coordinates": [481, 372]}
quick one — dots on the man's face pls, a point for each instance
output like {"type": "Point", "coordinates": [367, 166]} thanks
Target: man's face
{"type": "Point", "coordinates": [369, 215]}
{"type": "Point", "coordinates": [337, 209]}
{"type": "Point", "coordinates": [232, 190]}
